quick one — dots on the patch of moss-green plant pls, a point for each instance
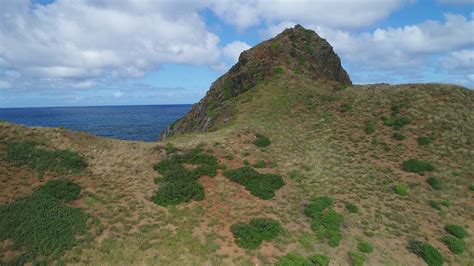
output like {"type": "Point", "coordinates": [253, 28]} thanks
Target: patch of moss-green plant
{"type": "Point", "coordinates": [427, 252]}
{"type": "Point", "coordinates": [471, 187]}
{"type": "Point", "coordinates": [356, 258]}
{"type": "Point", "coordinates": [434, 182]}
{"type": "Point", "coordinates": [292, 259]}
{"type": "Point", "coordinates": [396, 122]}
{"type": "Point", "coordinates": [251, 235]}
{"type": "Point", "coordinates": [346, 107]}
{"type": "Point", "coordinates": [351, 207]}
{"type": "Point", "coordinates": [169, 148]}
{"type": "Point", "coordinates": [259, 185]}
{"type": "Point", "coordinates": [434, 204]}
{"type": "Point", "coordinates": [325, 222]}
{"type": "Point", "coordinates": [261, 141]}
{"type": "Point", "coordinates": [365, 247]}
{"type": "Point", "coordinates": [454, 244]}
{"type": "Point", "coordinates": [260, 164]}
{"type": "Point", "coordinates": [417, 166]}
{"type": "Point", "coordinates": [42, 226]}
{"type": "Point", "coordinates": [369, 127]}
{"type": "Point", "coordinates": [423, 140]}
{"type": "Point", "coordinates": [401, 190]}
{"type": "Point", "coordinates": [42, 160]}
{"type": "Point", "coordinates": [456, 230]}
{"type": "Point", "coordinates": [319, 260]}
{"type": "Point", "coordinates": [179, 184]}
{"type": "Point", "coordinates": [278, 70]}
{"type": "Point", "coordinates": [398, 136]}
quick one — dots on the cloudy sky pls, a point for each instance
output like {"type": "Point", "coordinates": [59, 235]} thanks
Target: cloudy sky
{"type": "Point", "coordinates": [109, 52]}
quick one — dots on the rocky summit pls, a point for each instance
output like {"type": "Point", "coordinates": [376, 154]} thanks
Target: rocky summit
{"type": "Point", "coordinates": [298, 50]}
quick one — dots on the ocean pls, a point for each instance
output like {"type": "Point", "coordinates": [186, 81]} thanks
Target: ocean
{"type": "Point", "coordinates": [140, 122]}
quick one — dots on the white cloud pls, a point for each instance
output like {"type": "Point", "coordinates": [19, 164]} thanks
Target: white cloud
{"type": "Point", "coordinates": [233, 50]}
{"type": "Point", "coordinates": [77, 40]}
{"type": "Point", "coordinates": [331, 13]}
{"type": "Point", "coordinates": [117, 94]}
{"type": "Point", "coordinates": [456, 2]}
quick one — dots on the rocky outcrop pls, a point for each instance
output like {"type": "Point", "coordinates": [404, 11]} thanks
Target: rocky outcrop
{"type": "Point", "coordinates": [296, 49]}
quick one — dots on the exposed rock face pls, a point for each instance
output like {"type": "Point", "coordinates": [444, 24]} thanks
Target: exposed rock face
{"type": "Point", "coordinates": [297, 49]}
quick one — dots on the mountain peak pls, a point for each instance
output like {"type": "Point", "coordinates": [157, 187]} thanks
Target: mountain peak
{"type": "Point", "coordinates": [295, 52]}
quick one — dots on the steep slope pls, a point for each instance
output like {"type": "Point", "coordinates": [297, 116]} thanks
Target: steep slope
{"type": "Point", "coordinates": [296, 50]}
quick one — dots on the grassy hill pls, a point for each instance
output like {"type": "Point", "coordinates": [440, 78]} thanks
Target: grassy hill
{"type": "Point", "coordinates": [305, 171]}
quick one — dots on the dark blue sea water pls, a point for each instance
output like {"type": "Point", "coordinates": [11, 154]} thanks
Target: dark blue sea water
{"type": "Point", "coordinates": [142, 122]}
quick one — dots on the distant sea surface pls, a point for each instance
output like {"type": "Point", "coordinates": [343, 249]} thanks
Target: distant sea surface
{"type": "Point", "coordinates": [140, 122]}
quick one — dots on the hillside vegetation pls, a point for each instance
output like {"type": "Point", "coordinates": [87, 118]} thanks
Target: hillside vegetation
{"type": "Point", "coordinates": [305, 171]}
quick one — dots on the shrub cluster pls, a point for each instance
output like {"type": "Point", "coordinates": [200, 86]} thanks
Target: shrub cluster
{"type": "Point", "coordinates": [251, 235]}
{"type": "Point", "coordinates": [427, 252]}
{"type": "Point", "coordinates": [346, 107]}
{"type": "Point", "coordinates": [434, 182]}
{"type": "Point", "coordinates": [351, 207]}
{"type": "Point", "coordinates": [398, 136]}
{"type": "Point", "coordinates": [455, 241]}
{"type": "Point", "coordinates": [365, 247]}
{"type": "Point", "coordinates": [259, 185]}
{"type": "Point", "coordinates": [417, 166]}
{"type": "Point", "coordinates": [456, 230]}
{"type": "Point", "coordinates": [261, 141]}
{"type": "Point", "coordinates": [369, 127]}
{"type": "Point", "coordinates": [325, 221]}
{"type": "Point", "coordinates": [42, 225]}
{"type": "Point", "coordinates": [42, 160]}
{"type": "Point", "coordinates": [179, 184]}
{"type": "Point", "coordinates": [401, 190]}
{"type": "Point", "coordinates": [356, 258]}
{"type": "Point", "coordinates": [423, 140]}
{"type": "Point", "coordinates": [292, 259]}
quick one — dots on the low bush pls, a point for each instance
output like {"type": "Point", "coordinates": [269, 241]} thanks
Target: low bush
{"type": "Point", "coordinates": [456, 230]}
{"type": "Point", "coordinates": [356, 258]}
{"type": "Point", "coordinates": [260, 164]}
{"type": "Point", "coordinates": [423, 140]}
{"type": "Point", "coordinates": [292, 259]}
{"type": "Point", "coordinates": [396, 122]}
{"type": "Point", "coordinates": [346, 107]}
{"type": "Point", "coordinates": [365, 247]}
{"type": "Point", "coordinates": [427, 252]}
{"type": "Point", "coordinates": [259, 185]}
{"type": "Point", "coordinates": [42, 160]}
{"type": "Point", "coordinates": [261, 141]}
{"type": "Point", "coordinates": [401, 190]}
{"type": "Point", "coordinates": [434, 204]}
{"type": "Point", "coordinates": [351, 208]}
{"type": "Point", "coordinates": [250, 235]}
{"type": "Point", "coordinates": [398, 136]}
{"type": "Point", "coordinates": [169, 148]}
{"type": "Point", "coordinates": [434, 182]}
{"type": "Point", "coordinates": [369, 127]}
{"type": "Point", "coordinates": [325, 221]}
{"type": "Point", "coordinates": [471, 187]}
{"type": "Point", "coordinates": [178, 184]}
{"type": "Point", "coordinates": [417, 166]}
{"type": "Point", "coordinates": [42, 225]}
{"type": "Point", "coordinates": [319, 260]}
{"type": "Point", "coordinates": [454, 244]}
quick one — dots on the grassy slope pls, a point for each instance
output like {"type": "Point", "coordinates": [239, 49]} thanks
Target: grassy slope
{"type": "Point", "coordinates": [324, 151]}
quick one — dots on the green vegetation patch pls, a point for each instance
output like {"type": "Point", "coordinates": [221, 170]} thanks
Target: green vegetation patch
{"type": "Point", "coordinates": [346, 107]}
{"type": "Point", "coordinates": [454, 244]}
{"type": "Point", "coordinates": [396, 122]}
{"type": "Point", "coordinates": [434, 182]}
{"type": "Point", "coordinates": [180, 184]}
{"type": "Point", "coordinates": [42, 160]}
{"type": "Point", "coordinates": [398, 136]}
{"type": "Point", "coordinates": [356, 258]}
{"type": "Point", "coordinates": [423, 140]}
{"type": "Point", "coordinates": [351, 208]}
{"type": "Point", "coordinates": [261, 141]}
{"type": "Point", "coordinates": [325, 222]}
{"type": "Point", "coordinates": [369, 127]}
{"type": "Point", "coordinates": [456, 230]}
{"type": "Point", "coordinates": [259, 185]}
{"type": "Point", "coordinates": [427, 252]}
{"type": "Point", "coordinates": [42, 225]}
{"type": "Point", "coordinates": [364, 246]}
{"type": "Point", "coordinates": [292, 259]}
{"type": "Point", "coordinates": [417, 166]}
{"type": "Point", "coordinates": [401, 190]}
{"type": "Point", "coordinates": [251, 235]}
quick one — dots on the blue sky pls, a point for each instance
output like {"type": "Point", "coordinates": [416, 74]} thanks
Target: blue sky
{"type": "Point", "coordinates": [107, 52]}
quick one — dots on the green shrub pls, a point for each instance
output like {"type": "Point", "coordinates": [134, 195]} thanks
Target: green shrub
{"type": "Point", "coordinates": [260, 164]}
{"type": "Point", "coordinates": [169, 148]}
{"type": "Point", "coordinates": [351, 208]}
{"type": "Point", "coordinates": [401, 190]}
{"type": "Point", "coordinates": [456, 230]}
{"type": "Point", "coordinates": [292, 259]}
{"type": "Point", "coordinates": [261, 141]}
{"type": "Point", "coordinates": [471, 187]}
{"type": "Point", "coordinates": [325, 221]}
{"type": "Point", "coordinates": [423, 140]}
{"type": "Point", "coordinates": [434, 204]}
{"type": "Point", "coordinates": [319, 260]}
{"type": "Point", "coordinates": [454, 244]}
{"type": "Point", "coordinates": [346, 107]}
{"type": "Point", "coordinates": [251, 235]}
{"type": "Point", "coordinates": [396, 122]}
{"type": "Point", "coordinates": [427, 252]}
{"type": "Point", "coordinates": [279, 70]}
{"type": "Point", "coordinates": [42, 225]}
{"type": "Point", "coordinates": [434, 182]}
{"type": "Point", "coordinates": [365, 247]}
{"type": "Point", "coordinates": [356, 258]}
{"type": "Point", "coordinates": [398, 136]}
{"type": "Point", "coordinates": [61, 189]}
{"type": "Point", "coordinates": [417, 166]}
{"type": "Point", "coordinates": [178, 184]}
{"type": "Point", "coordinates": [259, 185]}
{"type": "Point", "coordinates": [369, 127]}
{"type": "Point", "coordinates": [246, 162]}
{"type": "Point", "coordinates": [42, 160]}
